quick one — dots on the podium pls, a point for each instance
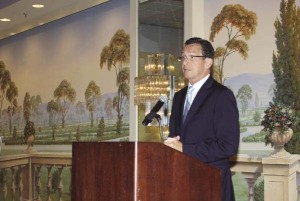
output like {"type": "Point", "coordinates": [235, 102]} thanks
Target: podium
{"type": "Point", "coordinates": [144, 171]}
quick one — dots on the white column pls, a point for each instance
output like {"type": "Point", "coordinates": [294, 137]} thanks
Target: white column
{"type": "Point", "coordinates": [193, 18]}
{"type": "Point", "coordinates": [280, 178]}
{"type": "Point", "coordinates": [133, 124]}
{"type": "Point", "coordinates": [133, 128]}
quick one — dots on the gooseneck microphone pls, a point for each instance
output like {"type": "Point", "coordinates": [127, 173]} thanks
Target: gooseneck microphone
{"type": "Point", "coordinates": [149, 117]}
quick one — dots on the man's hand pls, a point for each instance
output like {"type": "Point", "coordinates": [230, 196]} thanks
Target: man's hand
{"type": "Point", "coordinates": [174, 143]}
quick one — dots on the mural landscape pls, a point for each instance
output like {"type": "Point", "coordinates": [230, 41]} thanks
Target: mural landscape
{"type": "Point", "coordinates": [72, 87]}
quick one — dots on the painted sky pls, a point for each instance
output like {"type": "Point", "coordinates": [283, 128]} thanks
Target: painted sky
{"type": "Point", "coordinates": [261, 45]}
{"type": "Point", "coordinates": [70, 48]}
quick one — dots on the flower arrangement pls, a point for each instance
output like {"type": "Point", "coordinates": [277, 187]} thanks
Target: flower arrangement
{"type": "Point", "coordinates": [278, 115]}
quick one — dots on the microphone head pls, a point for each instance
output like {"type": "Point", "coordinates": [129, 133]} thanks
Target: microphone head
{"type": "Point", "coordinates": [163, 99]}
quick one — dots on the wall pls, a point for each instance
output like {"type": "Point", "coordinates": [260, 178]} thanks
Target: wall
{"type": "Point", "coordinates": [66, 49]}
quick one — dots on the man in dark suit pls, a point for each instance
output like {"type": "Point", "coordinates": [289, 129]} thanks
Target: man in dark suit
{"type": "Point", "coordinates": [204, 122]}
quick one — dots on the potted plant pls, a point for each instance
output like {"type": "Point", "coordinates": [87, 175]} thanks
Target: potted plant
{"type": "Point", "coordinates": [278, 122]}
{"type": "Point", "coordinates": [29, 133]}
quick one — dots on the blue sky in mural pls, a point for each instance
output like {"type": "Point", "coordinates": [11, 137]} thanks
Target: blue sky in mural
{"type": "Point", "coordinates": [70, 48]}
{"type": "Point", "coordinates": [261, 45]}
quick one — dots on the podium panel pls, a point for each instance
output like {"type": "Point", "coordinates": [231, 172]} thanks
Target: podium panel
{"type": "Point", "coordinates": [104, 171]}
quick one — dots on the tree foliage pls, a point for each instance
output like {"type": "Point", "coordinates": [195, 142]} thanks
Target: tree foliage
{"type": "Point", "coordinates": [101, 127]}
{"type": "Point", "coordinates": [117, 52]}
{"type": "Point", "coordinates": [80, 109]}
{"type": "Point", "coordinates": [5, 79]}
{"type": "Point", "coordinates": [36, 101]}
{"type": "Point", "coordinates": [256, 117]}
{"type": "Point", "coordinates": [27, 107]}
{"type": "Point", "coordinates": [11, 96]}
{"type": "Point", "coordinates": [93, 98]}
{"type": "Point", "coordinates": [65, 95]}
{"type": "Point", "coordinates": [244, 95]}
{"type": "Point", "coordinates": [109, 107]}
{"type": "Point", "coordinates": [239, 24]}
{"type": "Point", "coordinates": [116, 55]}
{"type": "Point", "coordinates": [286, 61]}
{"type": "Point", "coordinates": [259, 191]}
{"type": "Point", "coordinates": [53, 110]}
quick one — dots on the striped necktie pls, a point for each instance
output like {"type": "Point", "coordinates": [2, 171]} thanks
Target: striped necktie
{"type": "Point", "coordinates": [188, 101]}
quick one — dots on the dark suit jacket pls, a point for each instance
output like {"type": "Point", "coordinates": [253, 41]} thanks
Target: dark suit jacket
{"type": "Point", "coordinates": [211, 130]}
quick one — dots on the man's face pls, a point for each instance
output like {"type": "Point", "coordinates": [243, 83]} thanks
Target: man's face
{"type": "Point", "coordinates": [194, 68]}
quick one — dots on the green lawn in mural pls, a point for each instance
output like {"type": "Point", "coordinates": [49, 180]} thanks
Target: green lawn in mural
{"type": "Point", "coordinates": [72, 133]}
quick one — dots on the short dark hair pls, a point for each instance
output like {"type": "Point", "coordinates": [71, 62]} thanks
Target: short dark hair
{"type": "Point", "coordinates": [207, 48]}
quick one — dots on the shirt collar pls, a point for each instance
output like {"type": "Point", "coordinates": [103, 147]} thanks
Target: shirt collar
{"type": "Point", "coordinates": [199, 84]}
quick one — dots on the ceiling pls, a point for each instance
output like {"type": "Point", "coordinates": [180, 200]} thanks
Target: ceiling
{"type": "Point", "coordinates": [166, 13]}
{"type": "Point", "coordinates": [24, 17]}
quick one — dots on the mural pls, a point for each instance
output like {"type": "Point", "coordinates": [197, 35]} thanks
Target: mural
{"type": "Point", "coordinates": [59, 79]}
{"type": "Point", "coordinates": [257, 56]}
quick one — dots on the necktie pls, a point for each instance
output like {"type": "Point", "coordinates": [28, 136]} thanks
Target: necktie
{"type": "Point", "coordinates": [188, 102]}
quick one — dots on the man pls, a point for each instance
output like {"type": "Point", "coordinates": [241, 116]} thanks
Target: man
{"type": "Point", "coordinates": [204, 122]}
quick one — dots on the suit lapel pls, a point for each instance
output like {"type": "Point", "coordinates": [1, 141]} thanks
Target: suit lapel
{"type": "Point", "coordinates": [199, 99]}
{"type": "Point", "coordinates": [182, 101]}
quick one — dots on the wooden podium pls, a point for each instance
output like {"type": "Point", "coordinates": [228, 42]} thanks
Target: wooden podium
{"type": "Point", "coordinates": [105, 171]}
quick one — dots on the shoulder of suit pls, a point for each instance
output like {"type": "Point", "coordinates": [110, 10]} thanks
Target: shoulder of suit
{"type": "Point", "coordinates": [183, 90]}
{"type": "Point", "coordinates": [220, 86]}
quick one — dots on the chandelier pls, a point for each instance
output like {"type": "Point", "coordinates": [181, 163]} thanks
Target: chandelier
{"type": "Point", "coordinates": [158, 80]}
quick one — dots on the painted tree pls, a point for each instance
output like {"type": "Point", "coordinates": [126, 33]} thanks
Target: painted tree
{"type": "Point", "coordinates": [93, 98]}
{"type": "Point", "coordinates": [116, 55]}
{"type": "Point", "coordinates": [271, 90]}
{"type": "Point", "coordinates": [65, 96]}
{"type": "Point", "coordinates": [239, 24]}
{"type": "Point", "coordinates": [286, 61]}
{"type": "Point", "coordinates": [18, 116]}
{"type": "Point", "coordinates": [101, 127]}
{"type": "Point", "coordinates": [11, 97]}
{"type": "Point", "coordinates": [80, 109]}
{"type": "Point", "coordinates": [5, 80]}
{"type": "Point", "coordinates": [27, 107]}
{"type": "Point", "coordinates": [256, 117]}
{"type": "Point", "coordinates": [109, 107]}
{"type": "Point", "coordinates": [123, 91]}
{"type": "Point", "coordinates": [244, 95]}
{"type": "Point", "coordinates": [53, 110]}
{"type": "Point", "coordinates": [36, 101]}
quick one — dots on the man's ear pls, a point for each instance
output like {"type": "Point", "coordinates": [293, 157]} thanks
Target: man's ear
{"type": "Point", "coordinates": [208, 62]}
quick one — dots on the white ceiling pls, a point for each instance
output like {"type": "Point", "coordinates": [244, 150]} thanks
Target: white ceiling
{"type": "Point", "coordinates": [168, 13]}
{"type": "Point", "coordinates": [24, 17]}
{"type": "Point", "coordinates": [165, 13]}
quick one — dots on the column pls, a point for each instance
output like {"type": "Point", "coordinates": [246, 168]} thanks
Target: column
{"type": "Point", "coordinates": [193, 19]}
{"type": "Point", "coordinates": [280, 178]}
{"type": "Point", "coordinates": [27, 180]}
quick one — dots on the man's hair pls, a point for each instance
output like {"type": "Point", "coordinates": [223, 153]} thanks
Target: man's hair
{"type": "Point", "coordinates": [207, 48]}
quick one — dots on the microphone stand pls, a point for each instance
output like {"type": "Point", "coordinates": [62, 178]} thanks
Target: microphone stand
{"type": "Point", "coordinates": [158, 118]}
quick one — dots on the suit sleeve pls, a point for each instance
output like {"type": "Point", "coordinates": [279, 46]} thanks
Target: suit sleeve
{"type": "Point", "coordinates": [225, 132]}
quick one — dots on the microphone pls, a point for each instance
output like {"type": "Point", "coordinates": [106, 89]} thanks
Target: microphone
{"type": "Point", "coordinates": [149, 117]}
